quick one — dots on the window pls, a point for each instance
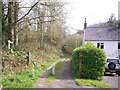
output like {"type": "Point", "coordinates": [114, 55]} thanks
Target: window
{"type": "Point", "coordinates": [100, 45]}
{"type": "Point", "coordinates": [116, 61]}
{"type": "Point", "coordinates": [118, 45]}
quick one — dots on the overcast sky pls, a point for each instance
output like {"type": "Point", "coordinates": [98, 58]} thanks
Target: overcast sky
{"type": "Point", "coordinates": [94, 10]}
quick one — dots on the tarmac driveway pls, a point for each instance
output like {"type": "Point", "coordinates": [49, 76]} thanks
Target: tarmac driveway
{"type": "Point", "coordinates": [112, 80]}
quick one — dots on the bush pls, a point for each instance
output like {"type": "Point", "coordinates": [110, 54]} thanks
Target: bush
{"type": "Point", "coordinates": [75, 62]}
{"type": "Point", "coordinates": [68, 48]}
{"type": "Point", "coordinates": [12, 60]}
{"type": "Point", "coordinates": [88, 62]}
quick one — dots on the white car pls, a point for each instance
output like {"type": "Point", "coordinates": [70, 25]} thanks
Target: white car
{"type": "Point", "coordinates": [113, 65]}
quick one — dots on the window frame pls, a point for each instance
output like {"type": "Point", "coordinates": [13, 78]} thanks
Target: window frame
{"type": "Point", "coordinates": [100, 45]}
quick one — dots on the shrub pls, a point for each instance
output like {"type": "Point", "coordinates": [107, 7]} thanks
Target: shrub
{"type": "Point", "coordinates": [68, 48]}
{"type": "Point", "coordinates": [75, 62]}
{"type": "Point", "coordinates": [88, 62]}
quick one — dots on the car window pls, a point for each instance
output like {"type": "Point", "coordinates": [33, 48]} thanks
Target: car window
{"type": "Point", "coordinates": [116, 61]}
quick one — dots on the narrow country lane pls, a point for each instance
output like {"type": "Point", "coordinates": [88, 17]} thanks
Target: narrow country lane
{"type": "Point", "coordinates": [64, 79]}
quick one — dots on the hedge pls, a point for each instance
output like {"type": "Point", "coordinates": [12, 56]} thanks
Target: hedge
{"type": "Point", "coordinates": [88, 62]}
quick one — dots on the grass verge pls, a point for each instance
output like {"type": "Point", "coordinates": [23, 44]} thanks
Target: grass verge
{"type": "Point", "coordinates": [92, 83]}
{"type": "Point", "coordinates": [25, 79]}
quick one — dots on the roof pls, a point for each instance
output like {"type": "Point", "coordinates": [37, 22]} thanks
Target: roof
{"type": "Point", "coordinates": [102, 32]}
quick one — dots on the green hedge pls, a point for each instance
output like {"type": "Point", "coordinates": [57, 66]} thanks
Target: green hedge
{"type": "Point", "coordinates": [92, 61]}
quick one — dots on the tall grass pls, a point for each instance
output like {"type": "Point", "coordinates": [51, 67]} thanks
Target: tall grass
{"type": "Point", "coordinates": [25, 79]}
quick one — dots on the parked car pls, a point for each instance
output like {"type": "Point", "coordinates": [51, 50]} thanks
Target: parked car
{"type": "Point", "coordinates": [113, 65]}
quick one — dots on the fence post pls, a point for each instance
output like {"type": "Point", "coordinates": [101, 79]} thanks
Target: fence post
{"type": "Point", "coordinates": [28, 58]}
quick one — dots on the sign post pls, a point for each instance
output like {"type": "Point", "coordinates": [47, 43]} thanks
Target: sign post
{"type": "Point", "coordinates": [9, 44]}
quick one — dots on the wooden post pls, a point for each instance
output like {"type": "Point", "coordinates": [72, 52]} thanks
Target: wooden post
{"type": "Point", "coordinates": [3, 65]}
{"type": "Point", "coordinates": [28, 58]}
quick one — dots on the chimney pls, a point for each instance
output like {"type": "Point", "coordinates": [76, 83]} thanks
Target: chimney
{"type": "Point", "coordinates": [85, 24]}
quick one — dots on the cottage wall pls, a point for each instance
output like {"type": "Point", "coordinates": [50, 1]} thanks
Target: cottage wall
{"type": "Point", "coordinates": [110, 47]}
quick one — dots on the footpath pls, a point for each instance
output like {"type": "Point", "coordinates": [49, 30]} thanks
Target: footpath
{"type": "Point", "coordinates": [64, 79]}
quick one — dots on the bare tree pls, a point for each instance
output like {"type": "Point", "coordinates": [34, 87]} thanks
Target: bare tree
{"type": "Point", "coordinates": [42, 14]}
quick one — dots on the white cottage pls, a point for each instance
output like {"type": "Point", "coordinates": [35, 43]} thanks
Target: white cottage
{"type": "Point", "coordinates": [103, 36]}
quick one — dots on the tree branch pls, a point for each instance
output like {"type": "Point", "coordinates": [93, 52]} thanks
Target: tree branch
{"type": "Point", "coordinates": [21, 29]}
{"type": "Point", "coordinates": [28, 11]}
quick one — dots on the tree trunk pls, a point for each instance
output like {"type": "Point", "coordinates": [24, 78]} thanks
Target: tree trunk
{"type": "Point", "coordinates": [15, 23]}
{"type": "Point", "coordinates": [41, 27]}
{"type": "Point", "coordinates": [10, 23]}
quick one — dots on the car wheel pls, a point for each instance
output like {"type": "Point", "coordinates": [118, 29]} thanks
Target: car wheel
{"type": "Point", "coordinates": [111, 66]}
